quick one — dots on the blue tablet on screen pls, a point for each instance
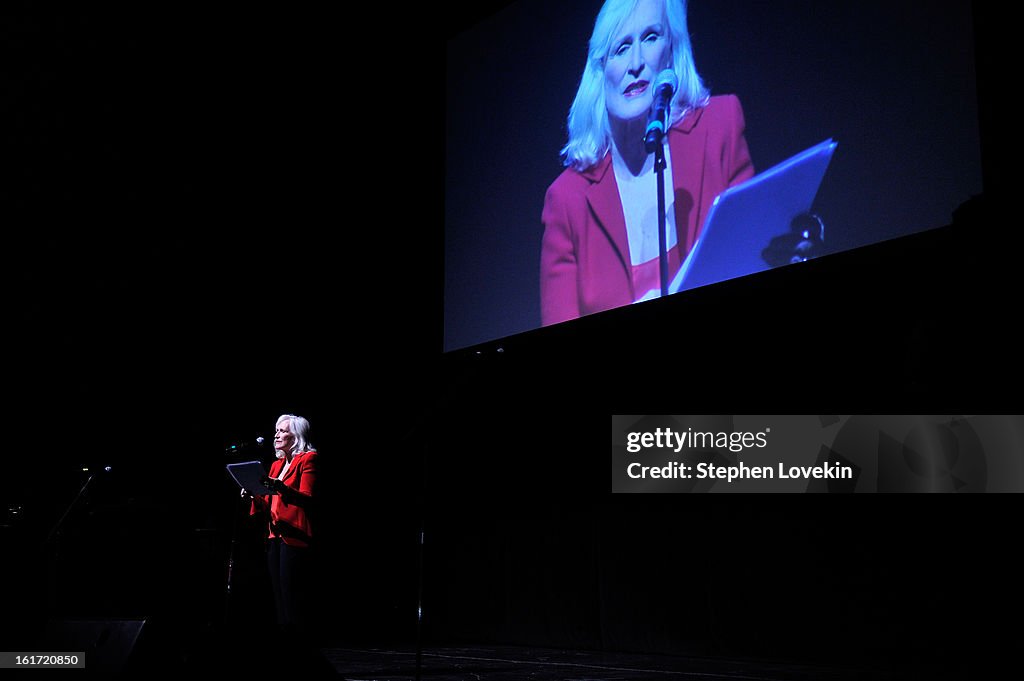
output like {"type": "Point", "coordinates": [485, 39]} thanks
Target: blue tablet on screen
{"type": "Point", "coordinates": [744, 219]}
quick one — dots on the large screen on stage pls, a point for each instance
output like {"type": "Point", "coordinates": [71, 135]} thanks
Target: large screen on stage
{"type": "Point", "coordinates": [893, 82]}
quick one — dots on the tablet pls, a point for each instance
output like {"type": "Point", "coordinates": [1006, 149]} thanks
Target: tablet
{"type": "Point", "coordinates": [745, 218]}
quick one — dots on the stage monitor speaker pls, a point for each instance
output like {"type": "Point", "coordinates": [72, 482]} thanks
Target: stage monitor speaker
{"type": "Point", "coordinates": [109, 644]}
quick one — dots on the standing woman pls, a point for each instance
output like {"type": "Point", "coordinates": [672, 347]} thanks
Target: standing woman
{"type": "Point", "coordinates": [291, 513]}
{"type": "Point", "coordinates": [600, 247]}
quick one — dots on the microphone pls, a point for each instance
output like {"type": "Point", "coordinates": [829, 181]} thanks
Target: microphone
{"type": "Point", "coordinates": [238, 447]}
{"type": "Point", "coordinates": [664, 88]}
{"type": "Point", "coordinates": [106, 469]}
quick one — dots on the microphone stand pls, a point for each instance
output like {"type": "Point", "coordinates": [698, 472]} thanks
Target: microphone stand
{"type": "Point", "coordinates": [56, 528]}
{"type": "Point", "coordinates": [654, 140]}
{"type": "Point", "coordinates": [659, 169]}
{"type": "Point", "coordinates": [53, 567]}
{"type": "Point", "coordinates": [419, 604]}
{"type": "Point", "coordinates": [235, 510]}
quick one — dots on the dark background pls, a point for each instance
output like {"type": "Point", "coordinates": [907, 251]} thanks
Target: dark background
{"type": "Point", "coordinates": [194, 200]}
{"type": "Point", "coordinates": [892, 82]}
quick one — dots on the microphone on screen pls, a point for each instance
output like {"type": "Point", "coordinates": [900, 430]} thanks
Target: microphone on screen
{"type": "Point", "coordinates": [664, 89]}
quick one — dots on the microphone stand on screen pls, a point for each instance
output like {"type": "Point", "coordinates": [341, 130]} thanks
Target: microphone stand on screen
{"type": "Point", "coordinates": [659, 168]}
{"type": "Point", "coordinates": [657, 121]}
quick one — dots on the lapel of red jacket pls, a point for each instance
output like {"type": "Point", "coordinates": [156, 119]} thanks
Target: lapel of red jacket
{"type": "Point", "coordinates": [604, 202]}
{"type": "Point", "coordinates": [293, 469]}
{"type": "Point", "coordinates": [275, 468]}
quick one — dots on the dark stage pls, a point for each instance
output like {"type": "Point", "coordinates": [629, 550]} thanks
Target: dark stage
{"type": "Point", "coordinates": [505, 663]}
{"type": "Point", "coordinates": [619, 587]}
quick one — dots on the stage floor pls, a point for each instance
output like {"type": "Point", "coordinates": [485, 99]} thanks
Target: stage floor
{"type": "Point", "coordinates": [505, 663]}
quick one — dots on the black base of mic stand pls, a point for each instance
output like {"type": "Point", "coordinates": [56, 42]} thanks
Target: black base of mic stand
{"type": "Point", "coordinates": [659, 169]}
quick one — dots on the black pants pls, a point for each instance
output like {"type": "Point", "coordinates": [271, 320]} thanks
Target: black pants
{"type": "Point", "coordinates": [291, 578]}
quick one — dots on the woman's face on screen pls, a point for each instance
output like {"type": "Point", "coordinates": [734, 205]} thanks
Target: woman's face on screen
{"type": "Point", "coordinates": [639, 52]}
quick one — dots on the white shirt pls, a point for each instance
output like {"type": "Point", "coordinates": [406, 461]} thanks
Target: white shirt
{"type": "Point", "coordinates": [639, 197]}
{"type": "Point", "coordinates": [284, 469]}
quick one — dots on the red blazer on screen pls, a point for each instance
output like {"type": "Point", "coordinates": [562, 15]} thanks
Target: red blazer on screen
{"type": "Point", "coordinates": [290, 510]}
{"type": "Point", "coordinates": [585, 265]}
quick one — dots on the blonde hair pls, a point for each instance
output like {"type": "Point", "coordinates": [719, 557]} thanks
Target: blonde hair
{"type": "Point", "coordinates": [299, 430]}
{"type": "Point", "coordinates": [589, 128]}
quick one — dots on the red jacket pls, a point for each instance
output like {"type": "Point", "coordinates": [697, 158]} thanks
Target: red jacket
{"type": "Point", "coordinates": [585, 265]}
{"type": "Point", "coordinates": [290, 511]}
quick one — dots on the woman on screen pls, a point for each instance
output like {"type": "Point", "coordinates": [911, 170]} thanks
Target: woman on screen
{"type": "Point", "coordinates": [600, 246]}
